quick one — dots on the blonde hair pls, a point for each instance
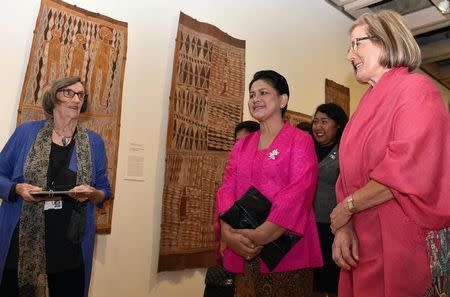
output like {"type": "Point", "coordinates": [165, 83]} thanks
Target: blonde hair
{"type": "Point", "coordinates": [399, 48]}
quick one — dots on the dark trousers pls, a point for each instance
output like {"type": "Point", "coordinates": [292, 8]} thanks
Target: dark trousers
{"type": "Point", "coordinates": [9, 286]}
{"type": "Point", "coordinates": [326, 278]}
{"type": "Point", "coordinates": [67, 283]}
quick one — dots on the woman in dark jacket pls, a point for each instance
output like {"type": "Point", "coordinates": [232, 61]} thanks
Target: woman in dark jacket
{"type": "Point", "coordinates": [328, 124]}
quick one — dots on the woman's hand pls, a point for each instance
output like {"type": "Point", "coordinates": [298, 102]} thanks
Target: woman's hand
{"type": "Point", "coordinates": [340, 216]}
{"type": "Point", "coordinates": [222, 247]}
{"type": "Point", "coordinates": [239, 243]}
{"type": "Point", "coordinates": [265, 233]}
{"type": "Point", "coordinates": [249, 233]}
{"type": "Point", "coordinates": [345, 247]}
{"type": "Point", "coordinates": [24, 189]}
{"type": "Point", "coordinates": [85, 192]}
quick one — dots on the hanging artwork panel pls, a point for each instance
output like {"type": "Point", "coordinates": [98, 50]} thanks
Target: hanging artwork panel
{"type": "Point", "coordinates": [295, 117]}
{"type": "Point", "coordinates": [206, 101]}
{"type": "Point", "coordinates": [339, 94]}
{"type": "Point", "coordinates": [71, 41]}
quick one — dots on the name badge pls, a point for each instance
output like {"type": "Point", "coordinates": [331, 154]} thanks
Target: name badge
{"type": "Point", "coordinates": [55, 204]}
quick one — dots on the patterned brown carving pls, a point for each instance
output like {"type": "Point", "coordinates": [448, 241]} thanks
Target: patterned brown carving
{"type": "Point", "coordinates": [295, 117]}
{"type": "Point", "coordinates": [205, 105]}
{"type": "Point", "coordinates": [339, 94]}
{"type": "Point", "coordinates": [72, 41]}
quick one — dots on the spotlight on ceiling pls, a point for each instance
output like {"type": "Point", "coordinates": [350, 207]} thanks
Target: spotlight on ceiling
{"type": "Point", "coordinates": [444, 6]}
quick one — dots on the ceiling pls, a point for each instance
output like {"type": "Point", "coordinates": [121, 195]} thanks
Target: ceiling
{"type": "Point", "coordinates": [430, 27]}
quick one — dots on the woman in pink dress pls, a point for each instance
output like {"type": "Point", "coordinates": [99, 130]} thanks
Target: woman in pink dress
{"type": "Point", "coordinates": [278, 160]}
{"type": "Point", "coordinates": [394, 166]}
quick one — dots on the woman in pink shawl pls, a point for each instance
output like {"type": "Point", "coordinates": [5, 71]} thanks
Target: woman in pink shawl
{"type": "Point", "coordinates": [394, 181]}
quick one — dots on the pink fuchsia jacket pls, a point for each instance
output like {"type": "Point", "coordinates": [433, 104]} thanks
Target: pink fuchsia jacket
{"type": "Point", "coordinates": [286, 173]}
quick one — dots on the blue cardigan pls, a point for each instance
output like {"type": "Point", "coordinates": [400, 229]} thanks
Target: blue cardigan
{"type": "Point", "coordinates": [12, 160]}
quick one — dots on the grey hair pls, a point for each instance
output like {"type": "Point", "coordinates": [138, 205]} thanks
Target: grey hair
{"type": "Point", "coordinates": [49, 99]}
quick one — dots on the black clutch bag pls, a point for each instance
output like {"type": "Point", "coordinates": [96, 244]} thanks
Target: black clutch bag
{"type": "Point", "coordinates": [218, 282]}
{"type": "Point", "coordinates": [250, 211]}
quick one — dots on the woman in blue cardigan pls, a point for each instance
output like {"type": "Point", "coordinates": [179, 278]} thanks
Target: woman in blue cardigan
{"type": "Point", "coordinates": [46, 242]}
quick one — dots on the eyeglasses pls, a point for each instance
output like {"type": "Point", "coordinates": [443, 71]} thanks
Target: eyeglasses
{"type": "Point", "coordinates": [71, 93]}
{"type": "Point", "coordinates": [355, 42]}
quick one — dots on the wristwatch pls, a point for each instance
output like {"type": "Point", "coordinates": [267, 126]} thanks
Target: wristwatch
{"type": "Point", "coordinates": [350, 204]}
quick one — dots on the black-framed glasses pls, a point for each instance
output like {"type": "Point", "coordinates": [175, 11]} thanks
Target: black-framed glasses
{"type": "Point", "coordinates": [71, 93]}
{"type": "Point", "coordinates": [355, 42]}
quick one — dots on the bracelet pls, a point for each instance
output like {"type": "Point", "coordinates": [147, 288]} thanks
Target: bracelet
{"type": "Point", "coordinates": [350, 204]}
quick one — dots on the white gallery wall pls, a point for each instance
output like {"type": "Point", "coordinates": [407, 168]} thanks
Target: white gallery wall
{"type": "Point", "coordinates": [304, 40]}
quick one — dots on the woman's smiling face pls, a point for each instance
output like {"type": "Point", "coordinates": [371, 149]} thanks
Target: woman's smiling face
{"type": "Point", "coordinates": [265, 102]}
{"type": "Point", "coordinates": [364, 54]}
{"type": "Point", "coordinates": [324, 129]}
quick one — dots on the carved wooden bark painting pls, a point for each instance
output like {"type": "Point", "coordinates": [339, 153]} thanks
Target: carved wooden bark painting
{"type": "Point", "coordinates": [205, 105]}
{"type": "Point", "coordinates": [295, 117]}
{"type": "Point", "coordinates": [339, 94]}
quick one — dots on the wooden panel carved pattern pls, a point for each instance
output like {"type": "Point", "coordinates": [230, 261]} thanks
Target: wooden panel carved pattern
{"type": "Point", "coordinates": [70, 41]}
{"type": "Point", "coordinates": [295, 117]}
{"type": "Point", "coordinates": [339, 94]}
{"type": "Point", "coordinates": [206, 101]}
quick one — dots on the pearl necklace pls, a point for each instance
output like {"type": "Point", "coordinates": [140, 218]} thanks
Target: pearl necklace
{"type": "Point", "coordinates": [64, 140]}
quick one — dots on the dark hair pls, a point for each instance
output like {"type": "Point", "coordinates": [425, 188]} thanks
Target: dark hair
{"type": "Point", "coordinates": [305, 126]}
{"type": "Point", "coordinates": [276, 80]}
{"type": "Point", "coordinates": [250, 126]}
{"type": "Point", "coordinates": [337, 114]}
{"type": "Point", "coordinates": [49, 99]}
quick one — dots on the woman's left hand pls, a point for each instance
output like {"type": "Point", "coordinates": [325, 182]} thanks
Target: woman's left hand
{"type": "Point", "coordinates": [264, 233]}
{"type": "Point", "coordinates": [345, 247]}
{"type": "Point", "coordinates": [86, 192]}
{"type": "Point", "coordinates": [223, 246]}
{"type": "Point", "coordinates": [249, 233]}
{"type": "Point", "coordinates": [339, 216]}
